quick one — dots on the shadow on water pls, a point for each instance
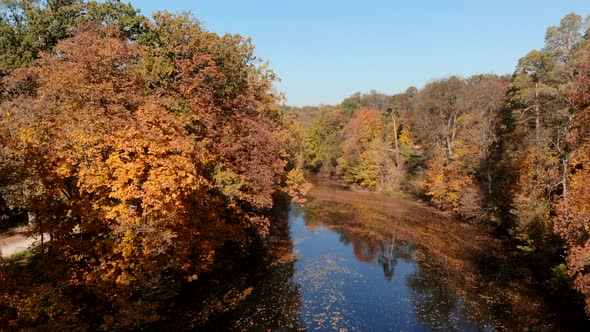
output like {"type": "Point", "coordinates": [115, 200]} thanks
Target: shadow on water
{"type": "Point", "coordinates": [251, 289]}
{"type": "Point", "coordinates": [274, 303]}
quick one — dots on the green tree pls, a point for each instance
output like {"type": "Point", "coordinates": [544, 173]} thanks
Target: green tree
{"type": "Point", "coordinates": [32, 27]}
{"type": "Point", "coordinates": [313, 146]}
{"type": "Point", "coordinates": [323, 141]}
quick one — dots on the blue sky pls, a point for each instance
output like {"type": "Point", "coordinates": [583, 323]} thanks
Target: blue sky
{"type": "Point", "coordinates": [326, 50]}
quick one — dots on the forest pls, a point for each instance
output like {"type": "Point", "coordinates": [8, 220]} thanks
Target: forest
{"type": "Point", "coordinates": [508, 150]}
{"type": "Point", "coordinates": [150, 153]}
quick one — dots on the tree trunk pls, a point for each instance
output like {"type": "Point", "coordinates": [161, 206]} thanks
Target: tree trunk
{"type": "Point", "coordinates": [31, 217]}
{"type": "Point", "coordinates": [396, 142]}
{"type": "Point", "coordinates": [50, 242]}
{"type": "Point", "coordinates": [42, 238]}
{"type": "Point", "coordinates": [537, 114]}
{"type": "Point", "coordinates": [489, 176]}
{"type": "Point", "coordinates": [564, 184]}
{"type": "Point", "coordinates": [450, 133]}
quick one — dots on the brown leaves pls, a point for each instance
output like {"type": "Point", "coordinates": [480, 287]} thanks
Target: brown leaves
{"type": "Point", "coordinates": [573, 221]}
{"type": "Point", "coordinates": [143, 160]}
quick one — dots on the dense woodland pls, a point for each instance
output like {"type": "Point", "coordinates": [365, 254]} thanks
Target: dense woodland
{"type": "Point", "coordinates": [508, 150]}
{"type": "Point", "coordinates": [142, 148]}
{"type": "Point", "coordinates": [146, 150]}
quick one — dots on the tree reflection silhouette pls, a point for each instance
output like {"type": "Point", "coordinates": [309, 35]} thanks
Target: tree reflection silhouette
{"type": "Point", "coordinates": [437, 293]}
{"type": "Point", "coordinates": [275, 301]}
{"type": "Point", "coordinates": [273, 305]}
{"type": "Point", "coordinates": [437, 303]}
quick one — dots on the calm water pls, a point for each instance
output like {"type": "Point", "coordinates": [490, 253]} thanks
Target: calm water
{"type": "Point", "coordinates": [346, 280]}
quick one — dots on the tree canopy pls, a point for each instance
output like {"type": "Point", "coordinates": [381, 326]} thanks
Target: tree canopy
{"type": "Point", "coordinates": [142, 147]}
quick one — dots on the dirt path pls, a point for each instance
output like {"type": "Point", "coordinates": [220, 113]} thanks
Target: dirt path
{"type": "Point", "coordinates": [15, 240]}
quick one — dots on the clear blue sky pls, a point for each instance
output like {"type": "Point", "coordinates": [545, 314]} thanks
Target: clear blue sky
{"type": "Point", "coordinates": [326, 50]}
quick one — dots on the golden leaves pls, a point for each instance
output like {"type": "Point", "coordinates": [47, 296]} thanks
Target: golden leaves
{"type": "Point", "coordinates": [365, 158]}
{"type": "Point", "coordinates": [147, 159]}
{"type": "Point", "coordinates": [297, 188]}
{"type": "Point", "coordinates": [446, 184]}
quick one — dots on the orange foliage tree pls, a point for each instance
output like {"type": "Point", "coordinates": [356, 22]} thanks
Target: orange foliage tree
{"type": "Point", "coordinates": [142, 159]}
{"type": "Point", "coordinates": [573, 221]}
{"type": "Point", "coordinates": [456, 121]}
{"type": "Point", "coordinates": [365, 159]}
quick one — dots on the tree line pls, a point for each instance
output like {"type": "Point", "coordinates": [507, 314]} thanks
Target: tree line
{"type": "Point", "coordinates": [512, 150]}
{"type": "Point", "coordinates": [141, 147]}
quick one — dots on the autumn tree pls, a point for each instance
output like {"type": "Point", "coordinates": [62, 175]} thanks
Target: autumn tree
{"type": "Point", "coordinates": [366, 159]}
{"type": "Point", "coordinates": [323, 141]}
{"type": "Point", "coordinates": [399, 132]}
{"type": "Point", "coordinates": [455, 119]}
{"type": "Point", "coordinates": [573, 219]}
{"type": "Point", "coordinates": [142, 159]}
{"type": "Point", "coordinates": [486, 100]}
{"type": "Point", "coordinates": [543, 112]}
{"type": "Point", "coordinates": [439, 117]}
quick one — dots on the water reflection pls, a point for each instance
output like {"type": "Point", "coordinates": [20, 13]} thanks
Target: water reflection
{"type": "Point", "coordinates": [342, 269]}
{"type": "Point", "coordinates": [384, 251]}
{"type": "Point", "coordinates": [388, 260]}
{"type": "Point", "coordinates": [274, 304]}
{"type": "Point", "coordinates": [439, 305]}
{"type": "Point", "coordinates": [437, 300]}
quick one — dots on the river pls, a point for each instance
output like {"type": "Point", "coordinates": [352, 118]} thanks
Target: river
{"type": "Point", "coordinates": [360, 261]}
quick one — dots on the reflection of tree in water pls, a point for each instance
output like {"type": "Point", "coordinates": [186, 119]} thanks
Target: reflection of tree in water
{"type": "Point", "coordinates": [435, 292]}
{"type": "Point", "coordinates": [275, 300]}
{"type": "Point", "coordinates": [387, 257]}
{"type": "Point", "coordinates": [385, 250]}
{"type": "Point", "coordinates": [273, 305]}
{"type": "Point", "coordinates": [454, 296]}
{"type": "Point", "coordinates": [442, 300]}
{"type": "Point", "coordinates": [390, 254]}
{"type": "Point", "coordinates": [373, 248]}
{"type": "Point", "coordinates": [437, 304]}
{"type": "Point", "coordinates": [388, 260]}
{"type": "Point", "coordinates": [365, 248]}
